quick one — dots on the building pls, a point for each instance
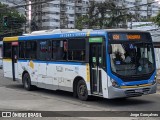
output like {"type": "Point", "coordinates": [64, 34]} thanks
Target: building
{"type": "Point", "coordinates": [14, 3]}
{"type": "Point", "coordinates": [142, 9]}
{"type": "Point", "coordinates": [63, 13]}
{"type": "Point", "coordinates": [58, 13]}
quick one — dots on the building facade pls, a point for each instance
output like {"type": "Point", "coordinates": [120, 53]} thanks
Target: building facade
{"type": "Point", "coordinates": [14, 3]}
{"type": "Point", "coordinates": [63, 13]}
{"type": "Point", "coordinates": [58, 13]}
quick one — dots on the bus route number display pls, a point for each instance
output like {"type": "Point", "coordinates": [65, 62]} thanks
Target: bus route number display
{"type": "Point", "coordinates": [126, 37]}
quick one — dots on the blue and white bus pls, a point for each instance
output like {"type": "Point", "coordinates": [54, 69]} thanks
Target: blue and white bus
{"type": "Point", "coordinates": [105, 63]}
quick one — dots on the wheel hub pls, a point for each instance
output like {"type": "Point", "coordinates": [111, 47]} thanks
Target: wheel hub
{"type": "Point", "coordinates": [82, 90]}
{"type": "Point", "coordinates": [26, 83]}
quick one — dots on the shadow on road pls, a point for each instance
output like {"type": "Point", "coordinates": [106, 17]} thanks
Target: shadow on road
{"type": "Point", "coordinates": [94, 100]}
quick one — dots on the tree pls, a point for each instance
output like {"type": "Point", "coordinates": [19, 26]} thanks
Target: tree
{"type": "Point", "coordinates": [103, 15]}
{"type": "Point", "coordinates": [156, 19]}
{"type": "Point", "coordinates": [15, 20]}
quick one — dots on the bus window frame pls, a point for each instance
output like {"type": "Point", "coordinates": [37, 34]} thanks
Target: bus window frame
{"type": "Point", "coordinates": [25, 50]}
{"type": "Point", "coordinates": [38, 51]}
{"type": "Point", "coordinates": [4, 50]}
{"type": "Point", "coordinates": [104, 55]}
{"type": "Point", "coordinates": [62, 39]}
{"type": "Point", "coordinates": [19, 50]}
{"type": "Point", "coordinates": [87, 45]}
{"type": "Point", "coordinates": [85, 48]}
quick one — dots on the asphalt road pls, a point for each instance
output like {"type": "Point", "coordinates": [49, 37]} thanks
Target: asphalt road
{"type": "Point", "coordinates": [14, 98]}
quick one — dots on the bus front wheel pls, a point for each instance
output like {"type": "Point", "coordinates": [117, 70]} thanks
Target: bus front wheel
{"type": "Point", "coordinates": [27, 82]}
{"type": "Point", "coordinates": [82, 91]}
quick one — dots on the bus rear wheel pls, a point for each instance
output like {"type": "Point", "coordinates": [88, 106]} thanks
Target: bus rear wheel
{"type": "Point", "coordinates": [82, 91]}
{"type": "Point", "coordinates": [27, 82]}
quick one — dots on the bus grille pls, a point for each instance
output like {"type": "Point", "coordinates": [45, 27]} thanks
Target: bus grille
{"type": "Point", "coordinates": [132, 93]}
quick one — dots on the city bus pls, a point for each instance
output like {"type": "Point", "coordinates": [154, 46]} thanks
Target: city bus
{"type": "Point", "coordinates": [109, 63]}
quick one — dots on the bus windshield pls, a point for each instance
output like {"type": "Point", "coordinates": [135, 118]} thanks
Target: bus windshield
{"type": "Point", "coordinates": [133, 59]}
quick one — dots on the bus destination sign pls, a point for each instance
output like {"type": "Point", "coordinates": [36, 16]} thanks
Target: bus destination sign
{"type": "Point", "coordinates": [126, 37]}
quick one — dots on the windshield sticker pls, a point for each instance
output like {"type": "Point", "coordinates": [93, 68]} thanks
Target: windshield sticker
{"type": "Point", "coordinates": [118, 62]}
{"type": "Point", "coordinates": [100, 59]}
{"type": "Point", "coordinates": [131, 46]}
{"type": "Point", "coordinates": [140, 68]}
{"type": "Point", "coordinates": [94, 59]}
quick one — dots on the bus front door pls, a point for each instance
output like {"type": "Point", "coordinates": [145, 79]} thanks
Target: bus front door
{"type": "Point", "coordinates": [96, 54]}
{"type": "Point", "coordinates": [14, 60]}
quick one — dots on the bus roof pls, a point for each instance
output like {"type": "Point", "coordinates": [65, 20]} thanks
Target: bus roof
{"type": "Point", "coordinates": [63, 35]}
{"type": "Point", "coordinates": [125, 30]}
{"type": "Point", "coordinates": [91, 33]}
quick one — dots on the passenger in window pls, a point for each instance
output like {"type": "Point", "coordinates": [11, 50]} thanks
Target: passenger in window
{"type": "Point", "coordinates": [82, 55]}
{"type": "Point", "coordinates": [118, 58]}
{"type": "Point", "coordinates": [65, 49]}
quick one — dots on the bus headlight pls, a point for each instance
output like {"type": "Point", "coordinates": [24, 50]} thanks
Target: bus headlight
{"type": "Point", "coordinates": [115, 84]}
{"type": "Point", "coordinates": [154, 81]}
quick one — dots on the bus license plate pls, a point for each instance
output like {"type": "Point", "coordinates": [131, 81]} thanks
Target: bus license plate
{"type": "Point", "coordinates": [139, 90]}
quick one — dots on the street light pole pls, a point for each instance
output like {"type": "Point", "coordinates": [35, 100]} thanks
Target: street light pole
{"type": "Point", "coordinates": [131, 21]}
{"type": "Point", "coordinates": [30, 14]}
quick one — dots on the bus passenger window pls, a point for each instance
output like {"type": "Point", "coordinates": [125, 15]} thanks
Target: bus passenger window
{"type": "Point", "coordinates": [31, 50]}
{"type": "Point", "coordinates": [76, 50]}
{"type": "Point", "coordinates": [65, 49]}
{"type": "Point", "coordinates": [7, 50]}
{"type": "Point", "coordinates": [22, 50]}
{"type": "Point", "coordinates": [57, 50]}
{"type": "Point", "coordinates": [42, 50]}
{"type": "Point", "coordinates": [49, 50]}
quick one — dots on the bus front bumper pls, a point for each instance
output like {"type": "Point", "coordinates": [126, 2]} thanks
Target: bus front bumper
{"type": "Point", "coordinates": [131, 92]}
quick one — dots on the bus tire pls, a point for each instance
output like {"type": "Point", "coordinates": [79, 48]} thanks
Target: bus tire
{"type": "Point", "coordinates": [27, 82]}
{"type": "Point", "coordinates": [82, 91]}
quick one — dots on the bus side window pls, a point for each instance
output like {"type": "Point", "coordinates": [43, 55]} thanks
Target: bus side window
{"type": "Point", "coordinates": [56, 50]}
{"type": "Point", "coordinates": [77, 49]}
{"type": "Point", "coordinates": [65, 49]}
{"type": "Point", "coordinates": [49, 57]}
{"type": "Point", "coordinates": [31, 50]}
{"type": "Point", "coordinates": [21, 50]}
{"type": "Point", "coordinates": [42, 49]}
{"type": "Point", "coordinates": [7, 50]}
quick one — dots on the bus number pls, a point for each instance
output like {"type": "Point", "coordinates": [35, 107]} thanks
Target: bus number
{"type": "Point", "coordinates": [116, 37]}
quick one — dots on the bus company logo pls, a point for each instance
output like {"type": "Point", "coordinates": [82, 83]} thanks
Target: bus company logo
{"type": "Point", "coordinates": [21, 114]}
{"type": "Point", "coordinates": [6, 114]}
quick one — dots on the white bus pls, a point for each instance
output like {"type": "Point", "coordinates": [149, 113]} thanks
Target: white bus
{"type": "Point", "coordinates": [104, 63]}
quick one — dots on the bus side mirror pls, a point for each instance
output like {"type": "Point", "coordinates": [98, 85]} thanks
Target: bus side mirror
{"type": "Point", "coordinates": [109, 49]}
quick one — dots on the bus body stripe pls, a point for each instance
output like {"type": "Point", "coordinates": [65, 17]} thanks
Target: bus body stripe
{"type": "Point", "coordinates": [49, 62]}
{"type": "Point", "coordinates": [135, 86]}
{"type": "Point", "coordinates": [7, 39]}
{"type": "Point", "coordinates": [7, 60]}
{"type": "Point", "coordinates": [88, 72]}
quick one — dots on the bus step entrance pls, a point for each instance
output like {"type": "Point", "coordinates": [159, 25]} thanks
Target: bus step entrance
{"type": "Point", "coordinates": [97, 94]}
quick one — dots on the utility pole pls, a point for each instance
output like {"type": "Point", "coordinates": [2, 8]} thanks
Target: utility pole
{"type": "Point", "coordinates": [30, 14]}
{"type": "Point", "coordinates": [131, 21]}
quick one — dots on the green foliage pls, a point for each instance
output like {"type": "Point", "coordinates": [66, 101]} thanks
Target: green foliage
{"type": "Point", "coordinates": [156, 19]}
{"type": "Point", "coordinates": [14, 19]}
{"type": "Point", "coordinates": [103, 15]}
{"type": "Point", "coordinates": [82, 21]}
